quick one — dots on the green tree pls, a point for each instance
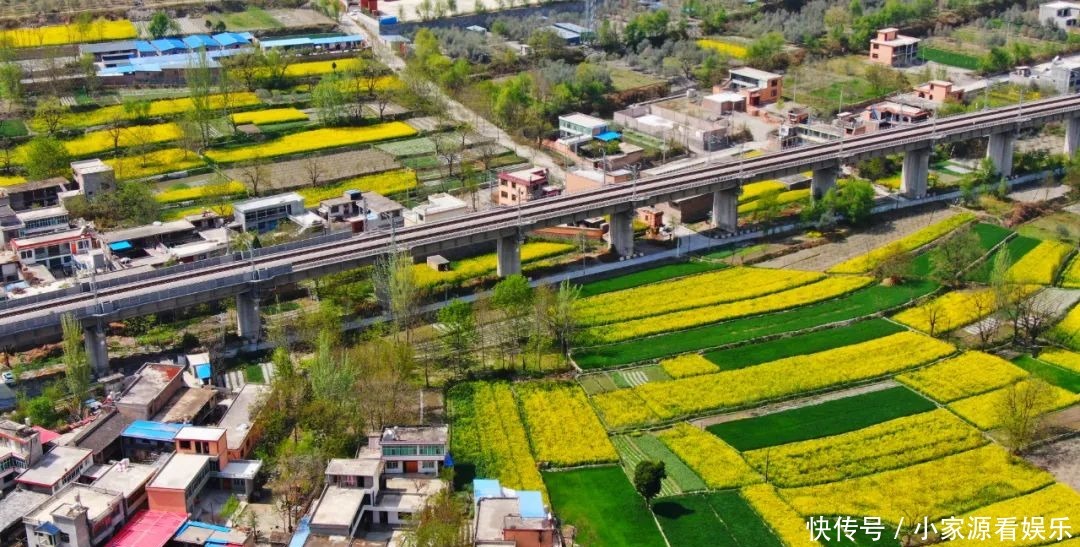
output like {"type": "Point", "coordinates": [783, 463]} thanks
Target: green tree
{"type": "Point", "coordinates": [950, 258]}
{"type": "Point", "coordinates": [329, 100]}
{"type": "Point", "coordinates": [162, 25]}
{"type": "Point", "coordinates": [76, 366]}
{"type": "Point", "coordinates": [11, 75]}
{"type": "Point", "coordinates": [513, 299]}
{"type": "Point", "coordinates": [855, 200]}
{"type": "Point", "coordinates": [397, 291]}
{"type": "Point", "coordinates": [563, 317]}
{"type": "Point", "coordinates": [764, 51]}
{"type": "Point", "coordinates": [1021, 410]}
{"type": "Point", "coordinates": [648, 476]}
{"type": "Point", "coordinates": [443, 522]}
{"type": "Point", "coordinates": [42, 411]}
{"type": "Point", "coordinates": [49, 113]}
{"type": "Point", "coordinates": [46, 157]}
{"type": "Point", "coordinates": [458, 335]}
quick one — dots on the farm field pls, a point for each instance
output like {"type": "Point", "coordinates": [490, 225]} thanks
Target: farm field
{"type": "Point", "coordinates": [602, 504]}
{"type": "Point", "coordinates": [763, 352]}
{"type": "Point", "coordinates": [723, 519]}
{"type": "Point", "coordinates": [1050, 372]}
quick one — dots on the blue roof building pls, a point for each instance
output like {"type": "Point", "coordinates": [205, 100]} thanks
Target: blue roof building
{"type": "Point", "coordinates": [145, 48]}
{"type": "Point", "coordinates": [169, 45]}
{"type": "Point", "coordinates": [502, 513]}
{"type": "Point", "coordinates": [233, 39]}
{"type": "Point", "coordinates": [196, 41]}
{"type": "Point", "coordinates": [145, 440]}
{"type": "Point", "coordinates": [152, 431]}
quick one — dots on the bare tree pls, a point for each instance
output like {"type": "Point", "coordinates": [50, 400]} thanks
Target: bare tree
{"type": "Point", "coordinates": [984, 304]}
{"type": "Point", "coordinates": [1021, 410]}
{"type": "Point", "coordinates": [49, 113]}
{"type": "Point", "coordinates": [255, 173]}
{"type": "Point", "coordinates": [382, 101]}
{"type": "Point", "coordinates": [295, 477]}
{"type": "Point", "coordinates": [115, 130]}
{"type": "Point", "coordinates": [1032, 316]}
{"type": "Point", "coordinates": [562, 315]}
{"type": "Point", "coordinates": [933, 312]}
{"type": "Point", "coordinates": [396, 289]}
{"type": "Point", "coordinates": [313, 169]}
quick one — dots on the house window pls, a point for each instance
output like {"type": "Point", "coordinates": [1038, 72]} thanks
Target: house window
{"type": "Point", "coordinates": [393, 466]}
{"type": "Point", "coordinates": [26, 255]}
{"type": "Point", "coordinates": [185, 445]}
{"type": "Point", "coordinates": [427, 465]}
{"type": "Point", "coordinates": [65, 538]}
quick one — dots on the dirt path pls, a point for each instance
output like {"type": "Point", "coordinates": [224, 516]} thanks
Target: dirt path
{"type": "Point", "coordinates": [794, 403]}
{"type": "Point", "coordinates": [826, 256]}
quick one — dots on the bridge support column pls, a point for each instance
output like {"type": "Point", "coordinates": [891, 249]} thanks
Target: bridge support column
{"type": "Point", "coordinates": [248, 322]}
{"type": "Point", "coordinates": [508, 248]}
{"type": "Point", "coordinates": [1000, 151]}
{"type": "Point", "coordinates": [1072, 136]}
{"type": "Point", "coordinates": [97, 351]}
{"type": "Point", "coordinates": [725, 210]}
{"type": "Point", "coordinates": [823, 181]}
{"type": "Point", "coordinates": [915, 173]}
{"type": "Point", "coordinates": [621, 233]}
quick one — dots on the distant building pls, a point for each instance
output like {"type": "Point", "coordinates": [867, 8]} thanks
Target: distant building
{"type": "Point", "coordinates": [517, 187]}
{"type": "Point", "coordinates": [53, 250]}
{"type": "Point", "coordinates": [36, 193]}
{"type": "Point", "coordinates": [79, 516]}
{"type": "Point", "coordinates": [129, 480]}
{"type": "Point", "coordinates": [102, 436]}
{"type": "Point", "coordinates": [154, 384]}
{"type": "Point", "coordinates": [938, 91]}
{"type": "Point", "coordinates": [581, 125]}
{"type": "Point", "coordinates": [758, 86]}
{"type": "Point", "coordinates": [1063, 76]}
{"type": "Point", "coordinates": [94, 177]}
{"type": "Point", "coordinates": [893, 49]}
{"type": "Point", "coordinates": [439, 207]}
{"type": "Point", "coordinates": [56, 469]}
{"type": "Point", "coordinates": [510, 518]}
{"type": "Point", "coordinates": [144, 440]}
{"type": "Point", "coordinates": [365, 210]}
{"type": "Point", "coordinates": [240, 423]}
{"type": "Point", "coordinates": [266, 213]}
{"type": "Point", "coordinates": [319, 43]}
{"type": "Point", "coordinates": [419, 449]}
{"type": "Point", "coordinates": [1063, 15]}
{"type": "Point", "coordinates": [20, 448]}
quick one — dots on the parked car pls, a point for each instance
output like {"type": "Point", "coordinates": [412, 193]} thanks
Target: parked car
{"type": "Point", "coordinates": [9, 377]}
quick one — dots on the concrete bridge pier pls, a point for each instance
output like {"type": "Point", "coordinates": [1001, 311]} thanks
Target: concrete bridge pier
{"type": "Point", "coordinates": [824, 180]}
{"type": "Point", "coordinates": [508, 249]}
{"type": "Point", "coordinates": [725, 209]}
{"type": "Point", "coordinates": [248, 322]}
{"type": "Point", "coordinates": [915, 173]}
{"type": "Point", "coordinates": [97, 351]}
{"type": "Point", "coordinates": [621, 233]}
{"type": "Point", "coordinates": [1000, 151]}
{"type": "Point", "coordinates": [1072, 135]}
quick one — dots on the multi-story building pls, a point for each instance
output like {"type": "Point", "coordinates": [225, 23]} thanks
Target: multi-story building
{"type": "Point", "coordinates": [154, 384]}
{"type": "Point", "coordinates": [524, 185]}
{"type": "Point", "coordinates": [179, 484]}
{"type": "Point", "coordinates": [757, 86]}
{"type": "Point", "coordinates": [1063, 15]}
{"type": "Point", "coordinates": [130, 481]}
{"type": "Point", "coordinates": [1063, 76]}
{"type": "Point", "coordinates": [408, 449]}
{"type": "Point", "coordinates": [893, 49]}
{"type": "Point", "coordinates": [56, 469]}
{"type": "Point", "coordinates": [94, 176]}
{"type": "Point", "coordinates": [145, 440]}
{"type": "Point", "coordinates": [938, 91]}
{"type": "Point", "coordinates": [265, 214]}
{"type": "Point", "coordinates": [238, 421]}
{"type": "Point", "coordinates": [77, 516]}
{"type": "Point", "coordinates": [581, 125]}
{"type": "Point", "coordinates": [37, 193]}
{"type": "Point", "coordinates": [510, 518]}
{"type": "Point", "coordinates": [54, 250]}
{"type": "Point", "coordinates": [20, 448]}
{"type": "Point", "coordinates": [229, 474]}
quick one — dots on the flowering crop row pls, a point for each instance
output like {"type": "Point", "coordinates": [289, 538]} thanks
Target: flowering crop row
{"type": "Point", "coordinates": [783, 198]}
{"type": "Point", "coordinates": [57, 35]}
{"type": "Point", "coordinates": [776, 379]}
{"type": "Point", "coordinates": [316, 139]}
{"type": "Point", "coordinates": [231, 188]}
{"type": "Point", "coordinates": [1040, 264]}
{"type": "Point", "coordinates": [970, 373]}
{"type": "Point", "coordinates": [11, 180]}
{"type": "Point", "coordinates": [315, 68]}
{"type": "Point", "coordinates": [1054, 501]}
{"type": "Point", "coordinates": [1062, 358]}
{"type": "Point", "coordinates": [158, 109]}
{"type": "Point", "coordinates": [96, 142]}
{"type": "Point", "coordinates": [869, 261]}
{"type": "Point", "coordinates": [154, 163]}
{"type": "Point", "coordinates": [754, 190]}
{"type": "Point", "coordinates": [1070, 279]}
{"type": "Point", "coordinates": [1067, 331]}
{"type": "Point", "coordinates": [268, 116]}
{"type": "Point", "coordinates": [889, 445]}
{"type": "Point", "coordinates": [488, 433]}
{"type": "Point", "coordinates": [717, 463]}
{"type": "Point", "coordinates": [939, 488]}
{"type": "Point", "coordinates": [470, 268]}
{"type": "Point", "coordinates": [695, 291]}
{"type": "Point", "coordinates": [806, 294]}
{"type": "Point", "coordinates": [985, 411]}
{"type": "Point", "coordinates": [385, 183]}
{"type": "Point", "coordinates": [562, 426]}
{"type": "Point", "coordinates": [726, 47]}
{"type": "Point", "coordinates": [955, 309]}
{"type": "Point", "coordinates": [690, 364]}
{"type": "Point", "coordinates": [788, 525]}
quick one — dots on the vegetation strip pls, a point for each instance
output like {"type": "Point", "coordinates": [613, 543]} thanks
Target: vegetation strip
{"type": "Point", "coordinates": [603, 506]}
{"type": "Point", "coordinates": [645, 277]}
{"type": "Point", "coordinates": [753, 354]}
{"type": "Point", "coordinates": [721, 519]}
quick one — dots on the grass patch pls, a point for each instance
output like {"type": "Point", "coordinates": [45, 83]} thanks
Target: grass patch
{"type": "Point", "coordinates": [250, 19]}
{"type": "Point", "coordinates": [421, 162]}
{"type": "Point", "coordinates": [630, 454]}
{"type": "Point", "coordinates": [822, 420]}
{"type": "Point", "coordinates": [857, 304]}
{"type": "Point", "coordinates": [744, 356]}
{"type": "Point", "coordinates": [1060, 226]}
{"type": "Point", "coordinates": [676, 468]}
{"type": "Point", "coordinates": [12, 128]}
{"type": "Point", "coordinates": [988, 234]}
{"type": "Point", "coordinates": [950, 58]}
{"type": "Point", "coordinates": [723, 519]}
{"type": "Point", "coordinates": [624, 79]}
{"type": "Point", "coordinates": [602, 504]}
{"type": "Point", "coordinates": [281, 307]}
{"type": "Point", "coordinates": [1017, 248]}
{"type": "Point", "coordinates": [1053, 374]}
{"type": "Point", "coordinates": [253, 373]}
{"type": "Point", "coordinates": [597, 383]}
{"type": "Point", "coordinates": [652, 275]}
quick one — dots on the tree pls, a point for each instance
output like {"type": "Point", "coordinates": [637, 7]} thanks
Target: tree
{"type": "Point", "coordinates": [513, 298]}
{"type": "Point", "coordinates": [162, 25]}
{"type": "Point", "coordinates": [385, 387]}
{"type": "Point", "coordinates": [49, 113]}
{"type": "Point", "coordinates": [295, 477]}
{"type": "Point", "coordinates": [984, 304]}
{"type": "Point", "coordinates": [136, 109]}
{"type": "Point", "coordinates": [255, 173]}
{"type": "Point", "coordinates": [76, 366]}
{"type": "Point", "coordinates": [648, 476]}
{"type": "Point", "coordinates": [764, 51]}
{"type": "Point", "coordinates": [200, 81]}
{"type": "Point", "coordinates": [328, 100]}
{"type": "Point", "coordinates": [397, 291]}
{"type": "Point", "coordinates": [458, 335]}
{"type": "Point", "coordinates": [89, 73]}
{"type": "Point", "coordinates": [952, 257]}
{"type": "Point", "coordinates": [855, 200]}
{"type": "Point", "coordinates": [245, 67]}
{"type": "Point", "coordinates": [562, 315]}
{"type": "Point", "coordinates": [314, 170]}
{"type": "Point", "coordinates": [11, 75]}
{"type": "Point", "coordinates": [46, 157]}
{"type": "Point", "coordinates": [276, 64]}
{"type": "Point", "coordinates": [1021, 409]}
{"type": "Point", "coordinates": [42, 411]}
{"type": "Point", "coordinates": [443, 522]}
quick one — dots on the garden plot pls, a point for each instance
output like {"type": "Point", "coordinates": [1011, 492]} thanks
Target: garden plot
{"type": "Point", "coordinates": [290, 174]}
{"type": "Point", "coordinates": [601, 504]}
{"type": "Point", "coordinates": [721, 519]}
{"type": "Point", "coordinates": [830, 85]}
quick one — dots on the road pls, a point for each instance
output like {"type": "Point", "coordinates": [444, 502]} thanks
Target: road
{"type": "Point", "coordinates": [458, 110]}
{"type": "Point", "coordinates": [128, 296]}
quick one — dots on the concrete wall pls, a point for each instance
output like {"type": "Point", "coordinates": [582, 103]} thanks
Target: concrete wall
{"type": "Point", "coordinates": [168, 500]}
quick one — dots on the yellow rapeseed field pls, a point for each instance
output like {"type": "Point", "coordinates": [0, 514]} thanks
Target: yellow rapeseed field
{"type": "Point", "coordinates": [754, 190]}
{"type": "Point", "coordinates": [679, 320]}
{"type": "Point", "coordinates": [888, 445]}
{"type": "Point", "coordinates": [772, 380]}
{"type": "Point", "coordinates": [1067, 331]}
{"type": "Point", "coordinates": [11, 180]}
{"type": "Point", "coordinates": [788, 525]}
{"type": "Point", "coordinates": [1054, 501]}
{"type": "Point", "coordinates": [695, 291]}
{"type": "Point", "coordinates": [268, 116]}
{"type": "Point", "coordinates": [940, 488]}
{"type": "Point", "coordinates": [99, 30]}
{"type": "Point", "coordinates": [231, 188]}
{"type": "Point", "coordinates": [315, 68]}
{"type": "Point", "coordinates": [469, 268]}
{"type": "Point", "coordinates": [158, 109]}
{"type": "Point", "coordinates": [970, 373]}
{"type": "Point", "coordinates": [869, 261]}
{"type": "Point", "coordinates": [716, 462]}
{"type": "Point", "coordinates": [386, 183]}
{"type": "Point", "coordinates": [955, 309]}
{"type": "Point", "coordinates": [96, 142]}
{"type": "Point", "coordinates": [1040, 265]}
{"type": "Point", "coordinates": [784, 198]}
{"type": "Point", "coordinates": [732, 49]}
{"type": "Point", "coordinates": [316, 139]}
{"type": "Point", "coordinates": [1070, 278]}
{"type": "Point", "coordinates": [690, 364]}
{"type": "Point", "coordinates": [154, 163]}
{"type": "Point", "coordinates": [985, 411]}
{"type": "Point", "coordinates": [562, 426]}
{"type": "Point", "coordinates": [1062, 358]}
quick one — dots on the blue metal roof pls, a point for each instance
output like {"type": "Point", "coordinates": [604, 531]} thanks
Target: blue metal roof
{"type": "Point", "coordinates": [300, 537]}
{"type": "Point", "coordinates": [336, 40]}
{"type": "Point", "coordinates": [232, 38]}
{"type": "Point", "coordinates": [156, 431]}
{"type": "Point", "coordinates": [120, 245]}
{"type": "Point", "coordinates": [202, 371]}
{"type": "Point", "coordinates": [200, 40]}
{"type": "Point", "coordinates": [48, 528]}
{"type": "Point", "coordinates": [608, 136]}
{"type": "Point", "coordinates": [530, 504]}
{"type": "Point", "coordinates": [486, 488]}
{"type": "Point", "coordinates": [169, 44]}
{"type": "Point", "coordinates": [145, 47]}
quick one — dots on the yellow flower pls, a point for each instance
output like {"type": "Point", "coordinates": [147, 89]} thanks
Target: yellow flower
{"type": "Point", "coordinates": [1062, 358]}
{"type": "Point", "coordinates": [1040, 264]}
{"type": "Point", "coordinates": [316, 139]}
{"type": "Point", "coordinates": [690, 364]}
{"type": "Point", "coordinates": [562, 426]}
{"type": "Point", "coordinates": [869, 261]}
{"type": "Point", "coordinates": [717, 463]}
{"type": "Point", "coordinates": [154, 163]}
{"type": "Point", "coordinates": [158, 109]}
{"type": "Point", "coordinates": [269, 116]}
{"type": "Point", "coordinates": [231, 188]}
{"type": "Point", "coordinates": [985, 411]}
{"type": "Point", "coordinates": [470, 268]}
{"type": "Point", "coordinates": [784, 521]}
{"type": "Point", "coordinates": [968, 374]}
{"type": "Point", "coordinates": [386, 183]}
{"type": "Point", "coordinates": [732, 49]}
{"type": "Point", "coordinates": [955, 309]}
{"type": "Point", "coordinates": [1054, 501]}
{"type": "Point", "coordinates": [99, 30]}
